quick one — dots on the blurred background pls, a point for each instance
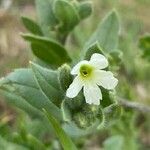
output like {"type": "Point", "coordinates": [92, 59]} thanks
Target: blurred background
{"type": "Point", "coordinates": [15, 52]}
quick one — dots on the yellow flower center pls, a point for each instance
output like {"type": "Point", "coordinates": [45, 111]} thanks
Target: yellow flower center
{"type": "Point", "coordinates": [86, 70]}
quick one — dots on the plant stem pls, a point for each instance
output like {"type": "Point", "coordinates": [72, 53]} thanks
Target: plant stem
{"type": "Point", "coordinates": [133, 105]}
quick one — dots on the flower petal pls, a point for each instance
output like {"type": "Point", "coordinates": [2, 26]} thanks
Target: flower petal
{"type": "Point", "coordinates": [92, 94]}
{"type": "Point", "coordinates": [106, 79]}
{"type": "Point", "coordinates": [74, 88]}
{"type": "Point", "coordinates": [76, 68]}
{"type": "Point", "coordinates": [99, 61]}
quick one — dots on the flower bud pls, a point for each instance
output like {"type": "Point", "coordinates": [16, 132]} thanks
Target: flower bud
{"type": "Point", "coordinates": [66, 14]}
{"type": "Point", "coordinates": [90, 109]}
{"type": "Point", "coordinates": [64, 76]}
{"type": "Point", "coordinates": [81, 120]}
{"type": "Point", "coordinates": [87, 116]}
{"type": "Point", "coordinates": [85, 9]}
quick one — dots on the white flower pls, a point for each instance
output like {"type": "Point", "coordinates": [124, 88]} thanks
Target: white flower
{"type": "Point", "coordinates": [89, 76]}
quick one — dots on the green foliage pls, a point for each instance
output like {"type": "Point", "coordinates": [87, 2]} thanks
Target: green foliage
{"type": "Point", "coordinates": [44, 85]}
{"type": "Point", "coordinates": [74, 131]}
{"type": "Point", "coordinates": [32, 26]}
{"type": "Point", "coordinates": [115, 58]}
{"type": "Point", "coordinates": [48, 82]}
{"type": "Point", "coordinates": [123, 127]}
{"type": "Point", "coordinates": [88, 115]}
{"type": "Point", "coordinates": [144, 44]}
{"type": "Point", "coordinates": [65, 77]}
{"type": "Point", "coordinates": [112, 114]}
{"type": "Point", "coordinates": [35, 143]}
{"type": "Point", "coordinates": [107, 98]}
{"type": "Point", "coordinates": [66, 142]}
{"type": "Point", "coordinates": [51, 85]}
{"type": "Point", "coordinates": [47, 50]}
{"type": "Point", "coordinates": [85, 9]}
{"type": "Point", "coordinates": [21, 84]}
{"type": "Point", "coordinates": [114, 143]}
{"type": "Point", "coordinates": [45, 15]}
{"type": "Point", "coordinates": [5, 145]}
{"type": "Point", "coordinates": [19, 101]}
{"type": "Point", "coordinates": [66, 113]}
{"type": "Point", "coordinates": [67, 15]}
{"type": "Point", "coordinates": [8, 89]}
{"type": "Point", "coordinates": [84, 116]}
{"type": "Point", "coordinates": [107, 33]}
{"type": "Point", "coordinates": [95, 48]}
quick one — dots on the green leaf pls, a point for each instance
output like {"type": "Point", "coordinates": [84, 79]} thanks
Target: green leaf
{"type": "Point", "coordinates": [7, 91]}
{"type": "Point", "coordinates": [65, 140]}
{"type": "Point", "coordinates": [66, 14]}
{"type": "Point", "coordinates": [47, 50]}
{"type": "Point", "coordinates": [48, 82]}
{"type": "Point", "coordinates": [144, 44]}
{"type": "Point", "coordinates": [45, 15]}
{"type": "Point", "coordinates": [107, 99]}
{"type": "Point", "coordinates": [32, 26]}
{"type": "Point", "coordinates": [106, 33]}
{"type": "Point", "coordinates": [73, 131]}
{"type": "Point", "coordinates": [5, 145]}
{"type": "Point", "coordinates": [35, 143]}
{"type": "Point", "coordinates": [66, 113]}
{"type": "Point", "coordinates": [95, 48]}
{"type": "Point", "coordinates": [21, 83]}
{"type": "Point", "coordinates": [85, 9]}
{"type": "Point", "coordinates": [19, 102]}
{"type": "Point", "coordinates": [114, 143]}
{"type": "Point", "coordinates": [115, 59]}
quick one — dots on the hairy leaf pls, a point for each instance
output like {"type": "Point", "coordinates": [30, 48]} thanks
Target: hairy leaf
{"type": "Point", "coordinates": [47, 50]}
{"type": "Point", "coordinates": [32, 26]}
{"type": "Point", "coordinates": [21, 83]}
{"type": "Point", "coordinates": [106, 34]}
{"type": "Point", "coordinates": [19, 101]}
{"type": "Point", "coordinates": [48, 82]}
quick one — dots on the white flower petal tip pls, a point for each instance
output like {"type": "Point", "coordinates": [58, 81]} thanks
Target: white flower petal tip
{"type": "Point", "coordinates": [74, 88]}
{"type": "Point", "coordinates": [106, 79]}
{"type": "Point", "coordinates": [99, 61]}
{"type": "Point", "coordinates": [90, 76]}
{"type": "Point", "coordinates": [92, 94]}
{"type": "Point", "coordinates": [115, 83]}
